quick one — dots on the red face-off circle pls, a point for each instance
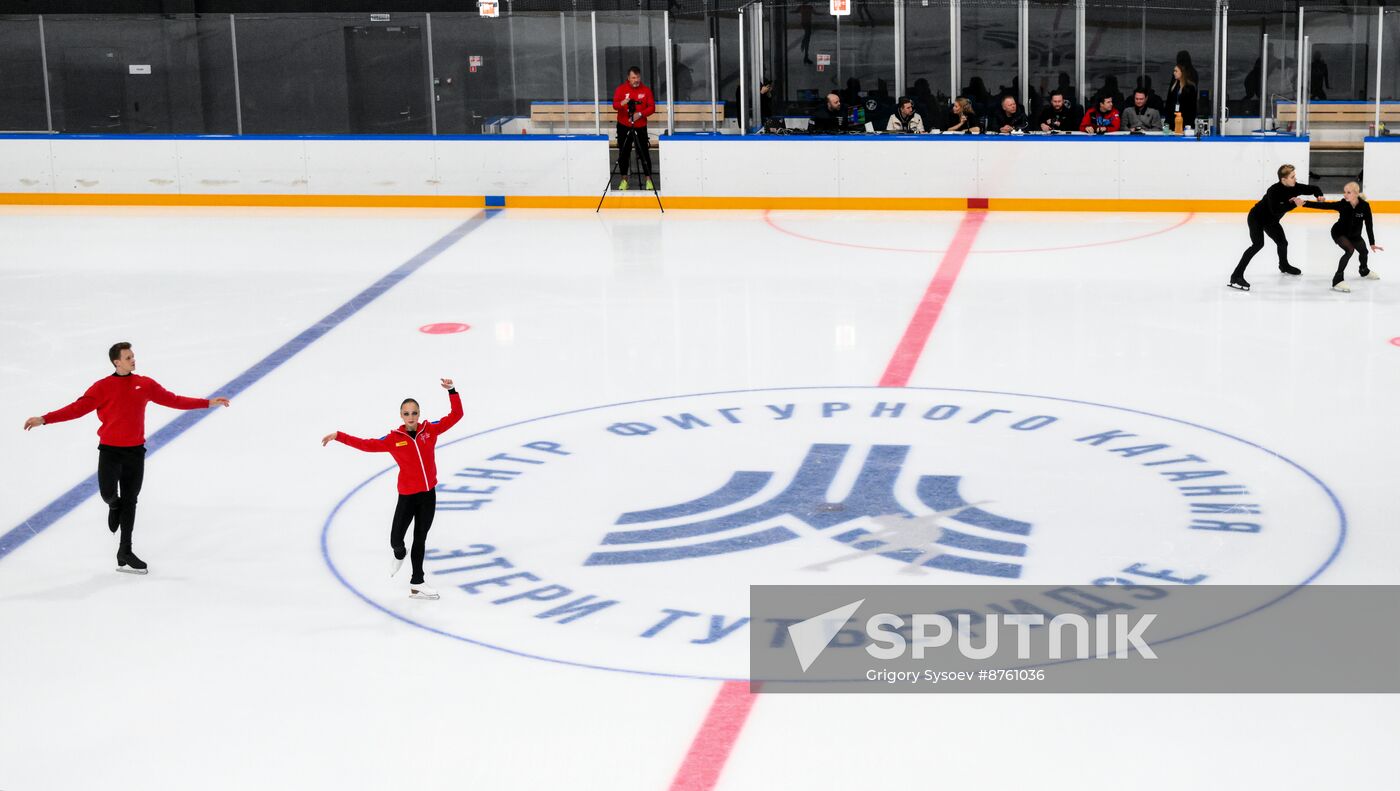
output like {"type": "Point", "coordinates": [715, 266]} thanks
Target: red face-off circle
{"type": "Point", "coordinates": [1395, 341]}
{"type": "Point", "coordinates": [444, 328]}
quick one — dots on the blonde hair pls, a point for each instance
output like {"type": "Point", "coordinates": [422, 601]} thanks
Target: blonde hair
{"type": "Point", "coordinates": [1284, 170]}
{"type": "Point", "coordinates": [964, 105]}
{"type": "Point", "coordinates": [1359, 193]}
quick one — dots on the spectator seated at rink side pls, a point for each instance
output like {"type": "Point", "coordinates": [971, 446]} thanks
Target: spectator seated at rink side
{"type": "Point", "coordinates": [963, 118]}
{"type": "Point", "coordinates": [1008, 118]}
{"type": "Point", "coordinates": [831, 117]}
{"type": "Point", "coordinates": [1102, 119]}
{"type": "Point", "coordinates": [905, 119]}
{"type": "Point", "coordinates": [1139, 116]}
{"type": "Point", "coordinates": [1059, 115]}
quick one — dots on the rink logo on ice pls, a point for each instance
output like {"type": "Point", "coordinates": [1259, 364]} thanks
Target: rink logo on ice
{"type": "Point", "coordinates": [626, 536]}
{"type": "Point", "coordinates": [701, 528]}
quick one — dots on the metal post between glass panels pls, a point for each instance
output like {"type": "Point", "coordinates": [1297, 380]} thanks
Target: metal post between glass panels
{"type": "Point", "coordinates": [564, 64]}
{"type": "Point", "coordinates": [670, 76]}
{"type": "Point", "coordinates": [898, 48]}
{"type": "Point", "coordinates": [1023, 54]}
{"type": "Point", "coordinates": [1080, 56]}
{"type": "Point", "coordinates": [44, 60]}
{"type": "Point", "coordinates": [714, 99]}
{"type": "Point", "coordinates": [743, 87]}
{"type": "Point", "coordinates": [432, 74]}
{"type": "Point", "coordinates": [1264, 98]}
{"type": "Point", "coordinates": [1380, 51]}
{"type": "Point", "coordinates": [1305, 80]}
{"type": "Point", "coordinates": [1298, 67]}
{"type": "Point", "coordinates": [1222, 97]}
{"type": "Point", "coordinates": [954, 46]}
{"type": "Point", "coordinates": [756, 52]}
{"type": "Point", "coordinates": [237, 89]}
{"type": "Point", "coordinates": [597, 98]}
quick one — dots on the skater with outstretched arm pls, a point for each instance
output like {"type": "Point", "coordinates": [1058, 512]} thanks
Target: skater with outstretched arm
{"type": "Point", "coordinates": [1280, 199]}
{"type": "Point", "coordinates": [412, 446]}
{"type": "Point", "coordinates": [120, 401]}
{"type": "Point", "coordinates": [1353, 214]}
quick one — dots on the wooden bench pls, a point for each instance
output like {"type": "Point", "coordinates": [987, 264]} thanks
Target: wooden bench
{"type": "Point", "coordinates": [580, 115]}
{"type": "Point", "coordinates": [1345, 116]}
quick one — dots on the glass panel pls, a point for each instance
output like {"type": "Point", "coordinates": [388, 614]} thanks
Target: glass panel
{"type": "Point", "coordinates": [21, 76]}
{"type": "Point", "coordinates": [1140, 46]}
{"type": "Point", "coordinates": [333, 74]}
{"type": "Point", "coordinates": [475, 74]}
{"type": "Point", "coordinates": [809, 68]}
{"type": "Point", "coordinates": [1052, 63]}
{"type": "Point", "coordinates": [1343, 64]}
{"type": "Point", "coordinates": [1244, 75]}
{"type": "Point", "coordinates": [927, 76]}
{"type": "Point", "coordinates": [1390, 58]}
{"type": "Point", "coordinates": [867, 59]}
{"type": "Point", "coordinates": [167, 74]}
{"type": "Point", "coordinates": [626, 40]}
{"type": "Point", "coordinates": [989, 62]}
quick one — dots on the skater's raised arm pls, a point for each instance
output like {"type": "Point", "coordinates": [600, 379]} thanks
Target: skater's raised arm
{"type": "Point", "coordinates": [85, 403]}
{"type": "Point", "coordinates": [166, 398]}
{"type": "Point", "coordinates": [380, 445]}
{"type": "Point", "coordinates": [443, 424]}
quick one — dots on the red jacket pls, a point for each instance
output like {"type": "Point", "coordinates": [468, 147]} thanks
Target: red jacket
{"type": "Point", "coordinates": [1093, 119]}
{"type": "Point", "coordinates": [414, 455]}
{"type": "Point", "coordinates": [120, 402]}
{"type": "Point", "coordinates": [646, 104]}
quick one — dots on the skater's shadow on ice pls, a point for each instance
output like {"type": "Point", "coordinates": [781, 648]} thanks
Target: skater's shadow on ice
{"type": "Point", "coordinates": [86, 588]}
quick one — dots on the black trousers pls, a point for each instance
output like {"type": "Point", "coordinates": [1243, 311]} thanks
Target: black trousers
{"type": "Point", "coordinates": [1260, 223]}
{"type": "Point", "coordinates": [1349, 245]}
{"type": "Point", "coordinates": [119, 475]}
{"type": "Point", "coordinates": [419, 510]}
{"type": "Point", "coordinates": [625, 138]}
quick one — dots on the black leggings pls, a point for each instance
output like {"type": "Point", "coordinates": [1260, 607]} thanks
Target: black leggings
{"type": "Point", "coordinates": [1259, 224]}
{"type": "Point", "coordinates": [624, 148]}
{"type": "Point", "coordinates": [418, 509]}
{"type": "Point", "coordinates": [119, 475]}
{"type": "Point", "coordinates": [1349, 245]}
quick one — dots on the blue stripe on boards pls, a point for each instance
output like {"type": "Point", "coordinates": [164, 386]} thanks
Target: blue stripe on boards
{"type": "Point", "coordinates": [48, 515]}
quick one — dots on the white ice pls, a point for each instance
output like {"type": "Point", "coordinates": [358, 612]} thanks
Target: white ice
{"type": "Point", "coordinates": [242, 662]}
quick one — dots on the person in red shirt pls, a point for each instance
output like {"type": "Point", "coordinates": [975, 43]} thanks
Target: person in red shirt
{"type": "Point", "coordinates": [412, 445]}
{"type": "Point", "coordinates": [634, 104]}
{"type": "Point", "coordinates": [120, 401]}
{"type": "Point", "coordinates": [1102, 119]}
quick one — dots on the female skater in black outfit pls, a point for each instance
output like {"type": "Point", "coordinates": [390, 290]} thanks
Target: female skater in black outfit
{"type": "Point", "coordinates": [1280, 199]}
{"type": "Point", "coordinates": [1353, 213]}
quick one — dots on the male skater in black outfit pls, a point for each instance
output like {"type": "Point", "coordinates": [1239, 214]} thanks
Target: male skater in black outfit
{"type": "Point", "coordinates": [120, 401]}
{"type": "Point", "coordinates": [1280, 199]}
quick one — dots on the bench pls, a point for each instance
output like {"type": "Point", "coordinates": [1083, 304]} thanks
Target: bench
{"type": "Point", "coordinates": [1339, 116]}
{"type": "Point", "coordinates": [580, 115]}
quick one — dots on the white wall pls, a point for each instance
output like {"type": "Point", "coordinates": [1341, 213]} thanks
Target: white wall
{"type": "Point", "coordinates": [1382, 160]}
{"type": "Point", "coordinates": [1115, 168]}
{"type": "Point", "coordinates": [527, 165]}
{"type": "Point", "coordinates": [505, 166]}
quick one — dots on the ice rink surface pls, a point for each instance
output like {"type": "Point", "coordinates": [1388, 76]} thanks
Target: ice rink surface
{"type": "Point", "coordinates": [268, 648]}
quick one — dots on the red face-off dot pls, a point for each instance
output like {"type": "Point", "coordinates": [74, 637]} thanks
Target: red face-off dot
{"type": "Point", "coordinates": [1395, 341]}
{"type": "Point", "coordinates": [444, 328]}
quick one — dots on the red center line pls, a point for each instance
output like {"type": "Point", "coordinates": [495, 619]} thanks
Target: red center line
{"type": "Point", "coordinates": [710, 749]}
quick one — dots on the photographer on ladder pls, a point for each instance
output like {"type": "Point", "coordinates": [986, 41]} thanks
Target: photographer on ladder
{"type": "Point", "coordinates": [634, 103]}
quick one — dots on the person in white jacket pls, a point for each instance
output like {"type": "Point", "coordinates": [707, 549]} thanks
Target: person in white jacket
{"type": "Point", "coordinates": [905, 119]}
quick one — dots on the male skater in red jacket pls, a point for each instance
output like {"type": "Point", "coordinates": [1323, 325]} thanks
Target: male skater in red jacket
{"type": "Point", "coordinates": [634, 104]}
{"type": "Point", "coordinates": [120, 401]}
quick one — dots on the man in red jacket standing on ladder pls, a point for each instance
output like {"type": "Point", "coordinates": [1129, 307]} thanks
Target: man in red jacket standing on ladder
{"type": "Point", "coordinates": [634, 104]}
{"type": "Point", "coordinates": [120, 401]}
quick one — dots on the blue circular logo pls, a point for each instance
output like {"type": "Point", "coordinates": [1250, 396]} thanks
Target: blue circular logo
{"type": "Point", "coordinates": [625, 537]}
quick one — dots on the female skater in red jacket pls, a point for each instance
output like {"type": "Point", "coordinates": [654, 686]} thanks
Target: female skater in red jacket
{"type": "Point", "coordinates": [411, 445]}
